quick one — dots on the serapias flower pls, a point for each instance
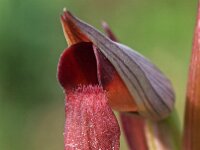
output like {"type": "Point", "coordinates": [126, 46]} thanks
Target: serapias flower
{"type": "Point", "coordinates": [98, 73]}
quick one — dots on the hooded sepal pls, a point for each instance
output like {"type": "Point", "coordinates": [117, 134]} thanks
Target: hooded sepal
{"type": "Point", "coordinates": [145, 134]}
{"type": "Point", "coordinates": [150, 89]}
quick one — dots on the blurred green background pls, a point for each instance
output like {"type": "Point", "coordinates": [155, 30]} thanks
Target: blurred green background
{"type": "Point", "coordinates": [31, 41]}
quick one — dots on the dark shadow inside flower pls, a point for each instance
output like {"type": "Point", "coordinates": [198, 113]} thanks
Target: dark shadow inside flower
{"type": "Point", "coordinates": [77, 66]}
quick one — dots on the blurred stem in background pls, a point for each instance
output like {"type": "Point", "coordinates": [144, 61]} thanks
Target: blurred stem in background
{"type": "Point", "coordinates": [191, 139]}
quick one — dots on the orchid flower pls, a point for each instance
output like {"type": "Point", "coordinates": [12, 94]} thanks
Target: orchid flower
{"type": "Point", "coordinates": [98, 74]}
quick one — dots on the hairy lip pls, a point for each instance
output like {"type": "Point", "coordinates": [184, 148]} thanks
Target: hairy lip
{"type": "Point", "coordinates": [90, 122]}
